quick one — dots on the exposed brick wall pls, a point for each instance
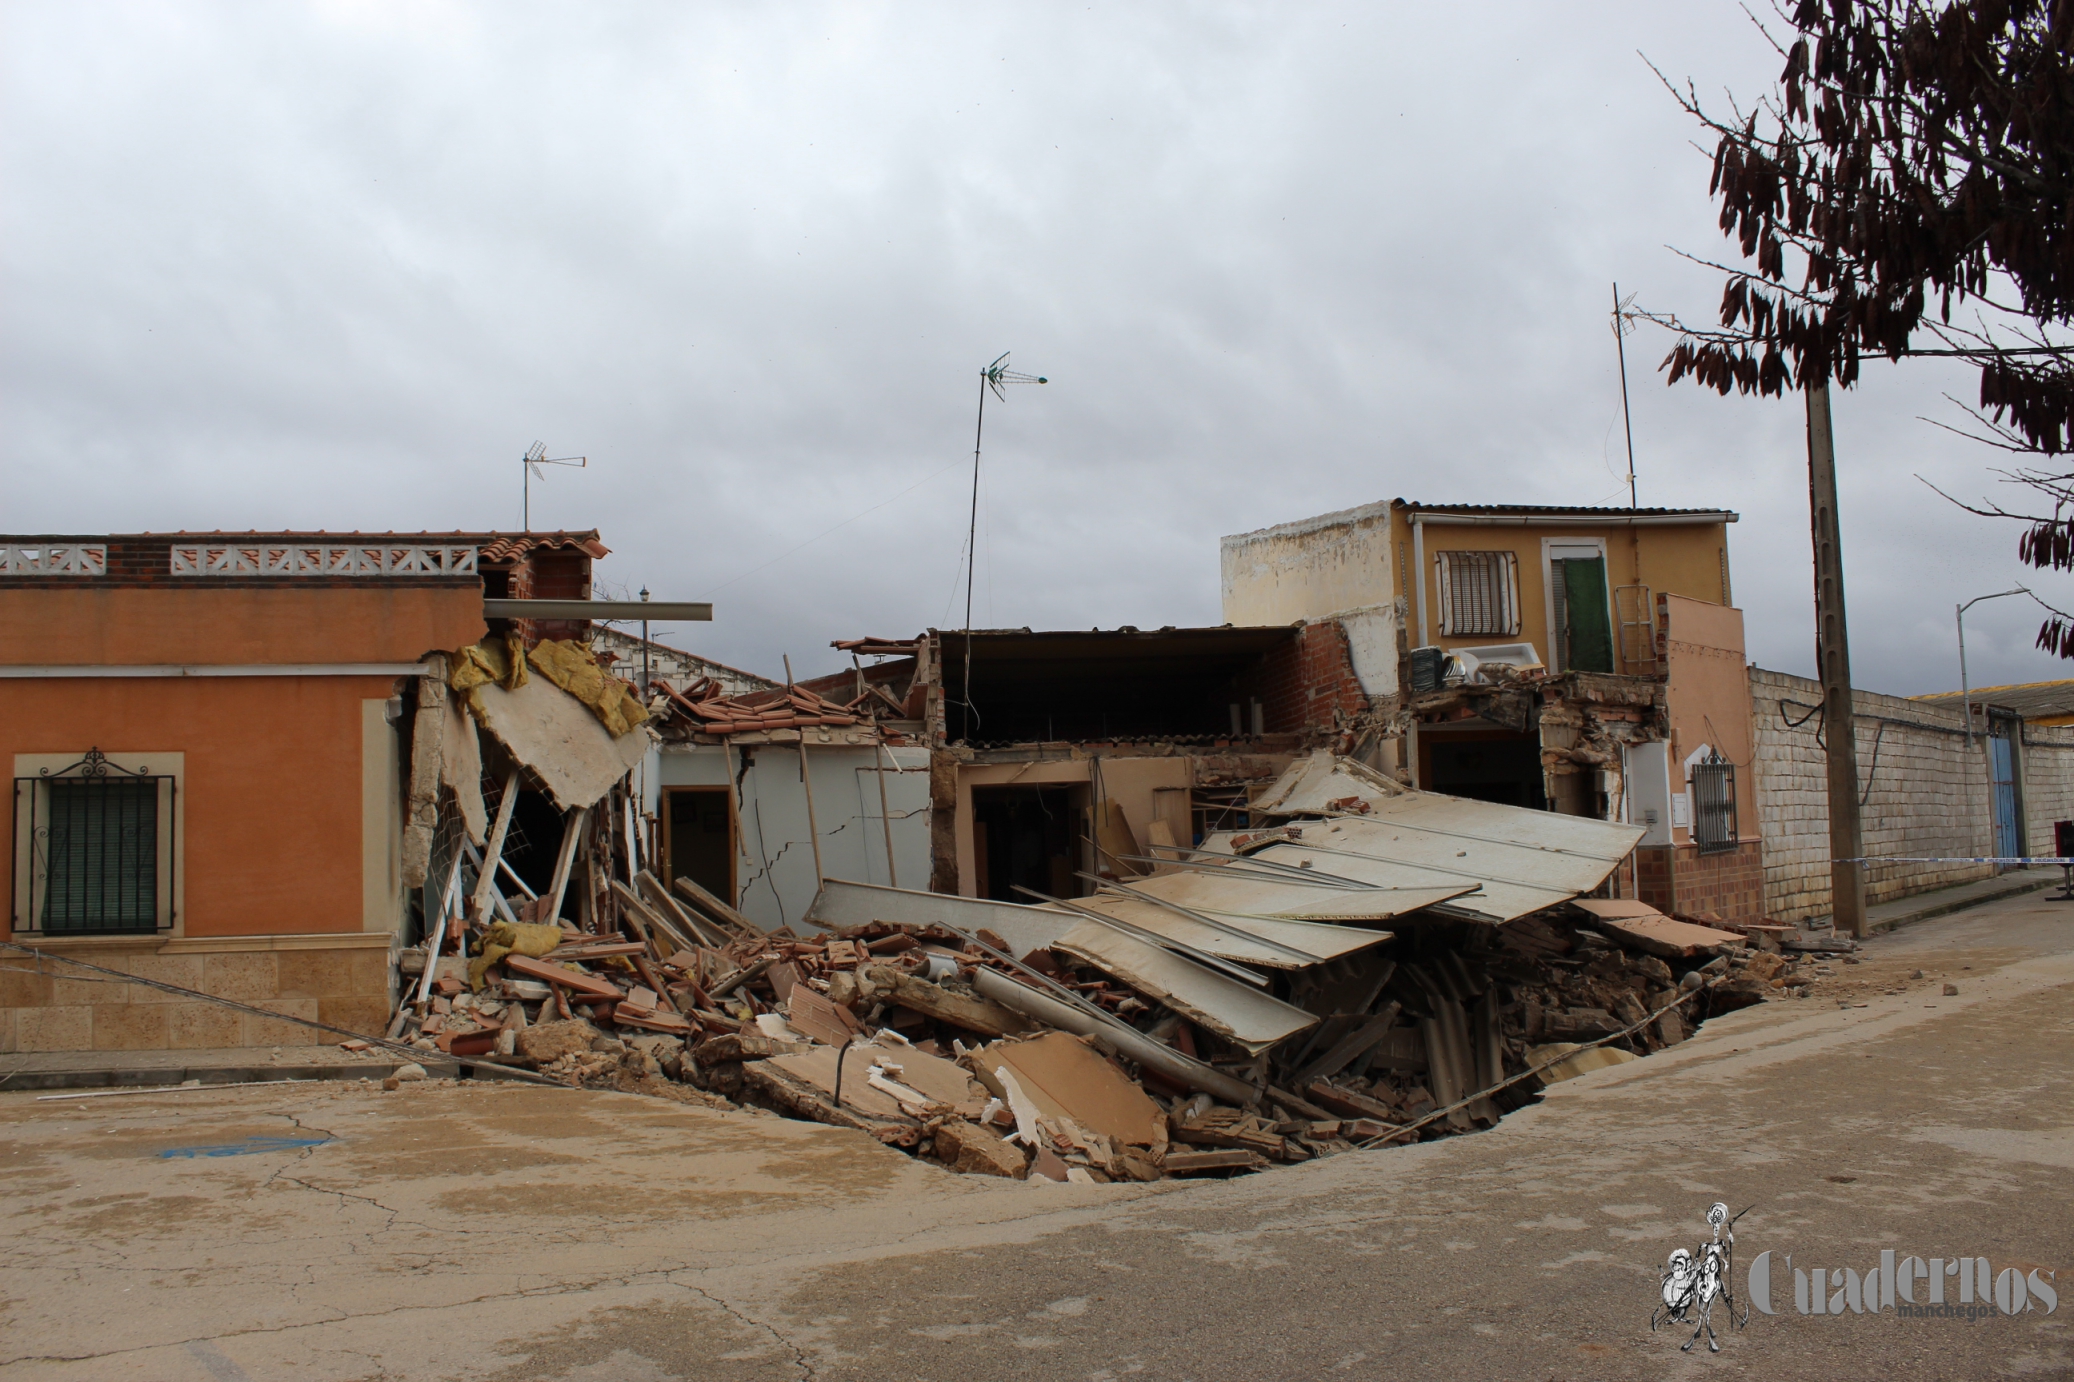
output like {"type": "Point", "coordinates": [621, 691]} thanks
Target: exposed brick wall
{"type": "Point", "coordinates": [1680, 879]}
{"type": "Point", "coordinates": [1332, 694]}
{"type": "Point", "coordinates": [545, 573]}
{"type": "Point", "coordinates": [1301, 683]}
{"type": "Point", "coordinates": [1925, 795]}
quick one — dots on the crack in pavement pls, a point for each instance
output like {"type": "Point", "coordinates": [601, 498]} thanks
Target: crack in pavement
{"type": "Point", "coordinates": [799, 1355]}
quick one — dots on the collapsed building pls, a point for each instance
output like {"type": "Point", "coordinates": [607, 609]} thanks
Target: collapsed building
{"type": "Point", "coordinates": [1266, 890]}
{"type": "Point", "coordinates": [1366, 964]}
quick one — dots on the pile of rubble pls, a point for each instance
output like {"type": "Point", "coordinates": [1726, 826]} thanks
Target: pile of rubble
{"type": "Point", "coordinates": [1076, 1043]}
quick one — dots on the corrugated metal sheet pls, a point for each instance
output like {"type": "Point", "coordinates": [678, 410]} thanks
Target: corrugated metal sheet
{"type": "Point", "coordinates": [841, 903]}
{"type": "Point", "coordinates": [1519, 861]}
{"type": "Point", "coordinates": [1244, 1015]}
{"type": "Point", "coordinates": [1316, 940]}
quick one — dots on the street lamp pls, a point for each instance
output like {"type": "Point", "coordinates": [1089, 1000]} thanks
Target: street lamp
{"type": "Point", "coordinates": [644, 654]}
{"type": "Point", "coordinates": [1965, 692]}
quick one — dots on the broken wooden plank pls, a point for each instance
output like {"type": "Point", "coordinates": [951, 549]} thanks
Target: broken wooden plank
{"type": "Point", "coordinates": [1237, 1159]}
{"type": "Point", "coordinates": [714, 907]}
{"type": "Point", "coordinates": [935, 1001]}
{"type": "Point", "coordinates": [690, 928]}
{"type": "Point", "coordinates": [1347, 1103]}
{"type": "Point", "coordinates": [586, 986]}
{"type": "Point", "coordinates": [1352, 1046]}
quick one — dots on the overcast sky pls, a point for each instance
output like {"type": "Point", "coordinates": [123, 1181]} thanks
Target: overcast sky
{"type": "Point", "coordinates": [337, 265]}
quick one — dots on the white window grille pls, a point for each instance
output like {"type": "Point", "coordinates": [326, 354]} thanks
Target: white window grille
{"type": "Point", "coordinates": [54, 561]}
{"type": "Point", "coordinates": [1479, 594]}
{"type": "Point", "coordinates": [310, 559]}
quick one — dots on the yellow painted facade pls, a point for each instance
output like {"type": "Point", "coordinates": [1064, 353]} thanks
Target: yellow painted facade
{"type": "Point", "coordinates": [1648, 557]}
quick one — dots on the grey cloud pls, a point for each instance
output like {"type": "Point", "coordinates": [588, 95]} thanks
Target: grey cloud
{"type": "Point", "coordinates": [337, 265]}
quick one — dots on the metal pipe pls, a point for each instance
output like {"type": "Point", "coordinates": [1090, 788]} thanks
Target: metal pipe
{"type": "Point", "coordinates": [1183, 1070]}
{"type": "Point", "coordinates": [1965, 692]}
{"type": "Point", "coordinates": [1418, 562]}
{"type": "Point", "coordinates": [885, 811]}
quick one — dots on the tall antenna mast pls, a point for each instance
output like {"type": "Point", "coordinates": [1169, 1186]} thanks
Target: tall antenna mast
{"type": "Point", "coordinates": [536, 456]}
{"type": "Point", "coordinates": [1623, 322]}
{"type": "Point", "coordinates": [992, 378]}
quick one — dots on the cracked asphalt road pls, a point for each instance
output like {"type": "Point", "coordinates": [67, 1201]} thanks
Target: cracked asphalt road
{"type": "Point", "coordinates": [516, 1233]}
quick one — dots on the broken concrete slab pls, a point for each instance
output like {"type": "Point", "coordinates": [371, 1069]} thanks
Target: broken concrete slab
{"type": "Point", "coordinates": [1067, 1078]}
{"type": "Point", "coordinates": [574, 757]}
{"type": "Point", "coordinates": [973, 1150]}
{"type": "Point", "coordinates": [1638, 926]}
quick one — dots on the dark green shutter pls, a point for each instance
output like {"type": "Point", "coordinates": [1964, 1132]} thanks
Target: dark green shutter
{"type": "Point", "coordinates": [103, 855]}
{"type": "Point", "coordinates": [1590, 631]}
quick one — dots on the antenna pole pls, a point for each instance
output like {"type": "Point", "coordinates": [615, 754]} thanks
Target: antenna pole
{"type": "Point", "coordinates": [1627, 420]}
{"type": "Point", "coordinates": [972, 550]}
{"type": "Point", "coordinates": [972, 530]}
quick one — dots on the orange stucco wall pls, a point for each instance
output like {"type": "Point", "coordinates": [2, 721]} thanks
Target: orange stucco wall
{"type": "Point", "coordinates": [1708, 698]}
{"type": "Point", "coordinates": [272, 790]}
{"type": "Point", "coordinates": [93, 624]}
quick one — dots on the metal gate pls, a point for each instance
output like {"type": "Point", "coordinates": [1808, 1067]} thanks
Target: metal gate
{"type": "Point", "coordinates": [2002, 775]}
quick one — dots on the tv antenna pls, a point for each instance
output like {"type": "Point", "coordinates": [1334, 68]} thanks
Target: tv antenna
{"type": "Point", "coordinates": [991, 380]}
{"type": "Point", "coordinates": [536, 457]}
{"type": "Point", "coordinates": [1624, 315]}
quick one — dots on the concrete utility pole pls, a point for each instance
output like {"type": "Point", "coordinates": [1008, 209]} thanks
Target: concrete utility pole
{"type": "Point", "coordinates": [1833, 665]}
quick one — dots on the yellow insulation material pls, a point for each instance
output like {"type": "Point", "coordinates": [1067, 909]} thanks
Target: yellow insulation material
{"type": "Point", "coordinates": [569, 665]}
{"type": "Point", "coordinates": [503, 938]}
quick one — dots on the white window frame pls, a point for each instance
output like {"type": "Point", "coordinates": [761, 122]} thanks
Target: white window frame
{"type": "Point", "coordinates": [1553, 550]}
{"type": "Point", "coordinates": [30, 883]}
{"type": "Point", "coordinates": [1509, 594]}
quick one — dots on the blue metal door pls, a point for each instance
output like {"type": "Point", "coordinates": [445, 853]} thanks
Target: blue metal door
{"type": "Point", "coordinates": [2002, 760]}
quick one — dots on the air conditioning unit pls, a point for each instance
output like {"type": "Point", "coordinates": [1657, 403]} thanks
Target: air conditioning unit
{"type": "Point", "coordinates": [1485, 663]}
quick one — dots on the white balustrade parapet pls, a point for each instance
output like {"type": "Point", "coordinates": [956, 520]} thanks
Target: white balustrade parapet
{"type": "Point", "coordinates": [78, 560]}
{"type": "Point", "coordinates": [321, 559]}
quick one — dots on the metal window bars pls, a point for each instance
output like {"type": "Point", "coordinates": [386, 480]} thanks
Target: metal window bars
{"type": "Point", "coordinates": [1714, 805]}
{"type": "Point", "coordinates": [1479, 593]}
{"type": "Point", "coordinates": [93, 850]}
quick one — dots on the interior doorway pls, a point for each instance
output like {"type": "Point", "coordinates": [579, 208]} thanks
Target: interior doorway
{"type": "Point", "coordinates": [1029, 835]}
{"type": "Point", "coordinates": [1484, 765]}
{"type": "Point", "coordinates": [699, 838]}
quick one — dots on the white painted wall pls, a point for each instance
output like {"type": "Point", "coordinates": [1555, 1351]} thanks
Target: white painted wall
{"type": "Point", "coordinates": [1309, 569]}
{"type": "Point", "coordinates": [1372, 646]}
{"type": "Point", "coordinates": [775, 867]}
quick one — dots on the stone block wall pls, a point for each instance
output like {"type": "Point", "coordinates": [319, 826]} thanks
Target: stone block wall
{"type": "Point", "coordinates": [49, 1006]}
{"type": "Point", "coordinates": [2046, 769]}
{"type": "Point", "coordinates": [1924, 794]}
